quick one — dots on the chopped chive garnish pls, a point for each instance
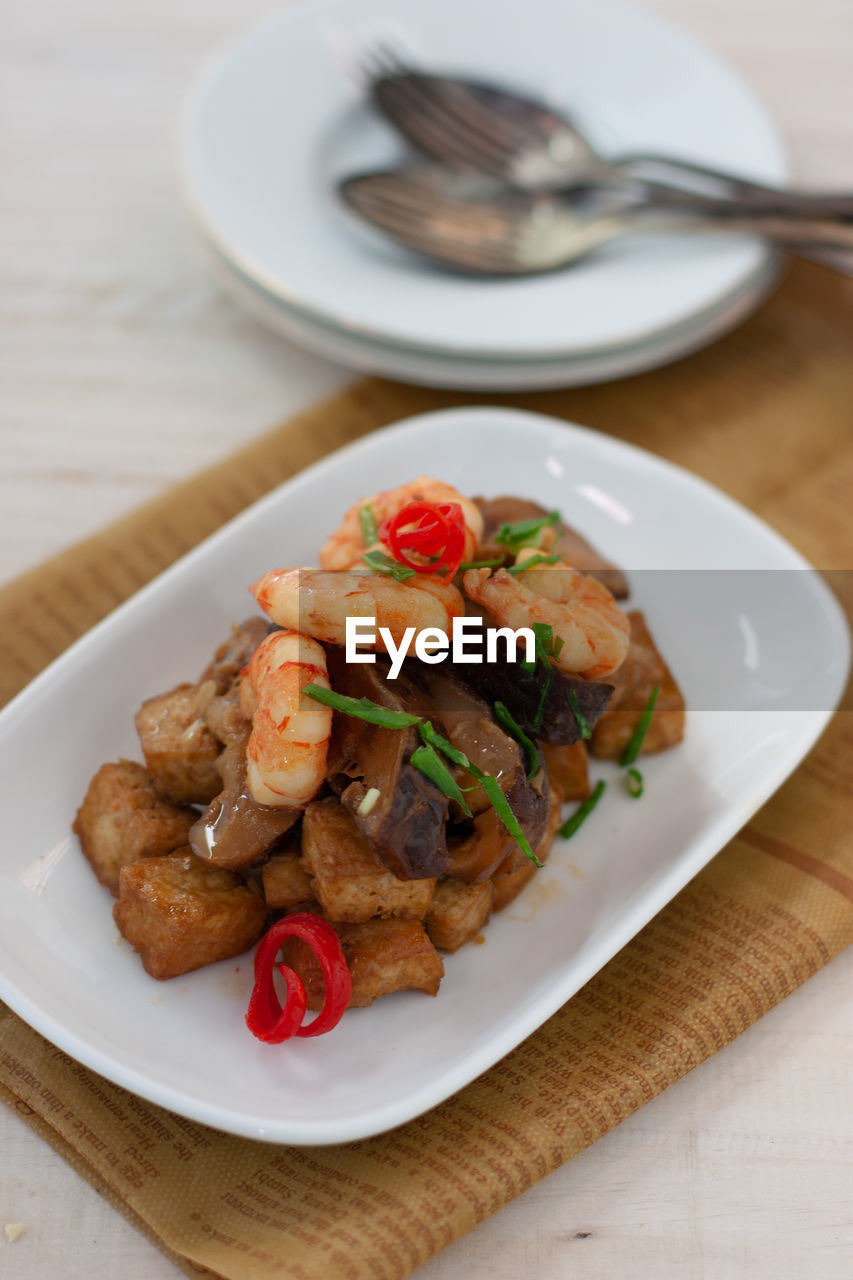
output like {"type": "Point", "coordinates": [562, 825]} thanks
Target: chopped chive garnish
{"type": "Point", "coordinates": [361, 708]}
{"type": "Point", "coordinates": [545, 644]}
{"type": "Point", "coordinates": [430, 763]}
{"type": "Point", "coordinates": [635, 744]}
{"type": "Point", "coordinates": [634, 783]}
{"type": "Point", "coordinates": [558, 644]}
{"type": "Point", "coordinates": [582, 812]}
{"type": "Point", "coordinates": [433, 738]}
{"type": "Point", "coordinates": [502, 808]}
{"type": "Point", "coordinates": [480, 564]}
{"type": "Point", "coordinates": [384, 564]}
{"type": "Point", "coordinates": [369, 529]}
{"type": "Point", "coordinates": [490, 786]}
{"type": "Point", "coordinates": [532, 561]}
{"type": "Point", "coordinates": [506, 720]}
{"type": "Point", "coordinates": [544, 634]}
{"type": "Point", "coordinates": [546, 689]}
{"type": "Point", "coordinates": [579, 716]}
{"type": "Point", "coordinates": [519, 534]}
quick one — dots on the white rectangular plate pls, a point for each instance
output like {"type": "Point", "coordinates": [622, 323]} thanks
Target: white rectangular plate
{"type": "Point", "coordinates": [183, 1044]}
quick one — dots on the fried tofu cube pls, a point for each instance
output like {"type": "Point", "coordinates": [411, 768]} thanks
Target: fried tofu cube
{"type": "Point", "coordinates": [285, 881]}
{"type": "Point", "coordinates": [458, 912]}
{"type": "Point", "coordinates": [508, 887]}
{"type": "Point", "coordinates": [123, 819]}
{"type": "Point", "coordinates": [567, 769]}
{"type": "Point", "coordinates": [179, 749]}
{"type": "Point", "coordinates": [643, 668]}
{"type": "Point", "coordinates": [349, 879]}
{"type": "Point", "coordinates": [382, 955]}
{"type": "Point", "coordinates": [181, 913]}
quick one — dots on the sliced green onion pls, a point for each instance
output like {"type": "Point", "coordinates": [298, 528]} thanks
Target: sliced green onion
{"type": "Point", "coordinates": [532, 561]}
{"type": "Point", "coordinates": [635, 744]}
{"type": "Point", "coordinates": [480, 564]}
{"type": "Point", "coordinates": [430, 763]}
{"type": "Point", "coordinates": [490, 786]}
{"type": "Point", "coordinates": [543, 697]}
{"type": "Point", "coordinates": [558, 645]}
{"type": "Point", "coordinates": [506, 720]}
{"type": "Point", "coordinates": [582, 812]}
{"type": "Point", "coordinates": [385, 564]}
{"type": "Point", "coordinates": [544, 634]}
{"type": "Point", "coordinates": [579, 716]}
{"type": "Point", "coordinates": [361, 708]}
{"type": "Point", "coordinates": [369, 528]}
{"type": "Point", "coordinates": [502, 808]}
{"type": "Point", "coordinates": [634, 783]}
{"type": "Point", "coordinates": [433, 738]}
{"type": "Point", "coordinates": [518, 534]}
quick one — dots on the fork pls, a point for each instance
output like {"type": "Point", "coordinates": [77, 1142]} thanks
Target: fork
{"type": "Point", "coordinates": [522, 143]}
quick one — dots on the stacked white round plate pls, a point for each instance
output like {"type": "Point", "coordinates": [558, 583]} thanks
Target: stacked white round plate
{"type": "Point", "coordinates": [282, 116]}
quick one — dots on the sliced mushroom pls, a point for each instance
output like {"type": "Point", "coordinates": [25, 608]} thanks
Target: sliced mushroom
{"type": "Point", "coordinates": [235, 830]}
{"type": "Point", "coordinates": [569, 544]}
{"type": "Point", "coordinates": [544, 712]}
{"type": "Point", "coordinates": [401, 812]}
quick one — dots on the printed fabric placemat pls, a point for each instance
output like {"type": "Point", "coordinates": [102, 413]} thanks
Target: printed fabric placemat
{"type": "Point", "coordinates": [765, 414]}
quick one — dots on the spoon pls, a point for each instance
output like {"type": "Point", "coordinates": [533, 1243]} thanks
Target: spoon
{"type": "Point", "coordinates": [473, 225]}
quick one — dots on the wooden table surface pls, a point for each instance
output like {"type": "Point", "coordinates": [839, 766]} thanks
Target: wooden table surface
{"type": "Point", "coordinates": [125, 369]}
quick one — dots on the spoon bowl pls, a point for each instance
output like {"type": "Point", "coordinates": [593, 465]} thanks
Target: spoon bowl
{"type": "Point", "coordinates": [471, 224]}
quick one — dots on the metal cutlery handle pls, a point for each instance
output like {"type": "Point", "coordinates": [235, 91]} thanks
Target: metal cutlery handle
{"type": "Point", "coordinates": [810, 203]}
{"type": "Point", "coordinates": [835, 224]}
{"type": "Point", "coordinates": [794, 233]}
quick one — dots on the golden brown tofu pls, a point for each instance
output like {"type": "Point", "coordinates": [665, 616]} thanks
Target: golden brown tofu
{"type": "Point", "coordinates": [285, 882]}
{"type": "Point", "coordinates": [349, 878]}
{"type": "Point", "coordinates": [180, 914]}
{"type": "Point", "coordinates": [508, 887]}
{"type": "Point", "coordinates": [633, 683]}
{"type": "Point", "coordinates": [382, 955]}
{"type": "Point", "coordinates": [179, 749]}
{"type": "Point", "coordinates": [123, 819]}
{"type": "Point", "coordinates": [458, 912]}
{"type": "Point", "coordinates": [567, 769]}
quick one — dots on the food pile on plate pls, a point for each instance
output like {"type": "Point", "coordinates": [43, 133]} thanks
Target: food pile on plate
{"type": "Point", "coordinates": [347, 784]}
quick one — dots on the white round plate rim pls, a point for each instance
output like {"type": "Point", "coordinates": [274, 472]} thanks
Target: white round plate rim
{"type": "Point", "coordinates": [482, 375]}
{"type": "Point", "coordinates": [538, 442]}
{"type": "Point", "coordinates": [334, 279]}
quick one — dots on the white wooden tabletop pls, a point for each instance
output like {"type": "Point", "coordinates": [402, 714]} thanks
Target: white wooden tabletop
{"type": "Point", "coordinates": [125, 369]}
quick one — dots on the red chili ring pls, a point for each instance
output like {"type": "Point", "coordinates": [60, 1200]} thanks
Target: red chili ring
{"type": "Point", "coordinates": [436, 530]}
{"type": "Point", "coordinates": [273, 1022]}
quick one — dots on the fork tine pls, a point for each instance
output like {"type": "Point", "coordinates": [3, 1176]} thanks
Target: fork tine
{"type": "Point", "coordinates": [425, 126]}
{"type": "Point", "coordinates": [429, 116]}
{"type": "Point", "coordinates": [382, 61]}
{"type": "Point", "coordinates": [395, 65]}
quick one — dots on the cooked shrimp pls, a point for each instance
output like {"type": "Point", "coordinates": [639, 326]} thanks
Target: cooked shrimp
{"type": "Point", "coordinates": [582, 612]}
{"type": "Point", "coordinates": [317, 602]}
{"type": "Point", "coordinates": [286, 754]}
{"type": "Point", "coordinates": [345, 547]}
